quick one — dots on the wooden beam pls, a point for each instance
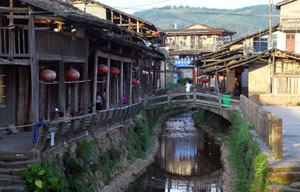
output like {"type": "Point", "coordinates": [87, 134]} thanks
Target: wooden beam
{"type": "Point", "coordinates": [107, 95]}
{"type": "Point", "coordinates": [130, 84]}
{"type": "Point", "coordinates": [114, 57]}
{"type": "Point", "coordinates": [121, 82]}
{"type": "Point", "coordinates": [34, 69]}
{"type": "Point", "coordinates": [14, 9]}
{"type": "Point", "coordinates": [95, 81]}
{"type": "Point", "coordinates": [61, 87]}
{"type": "Point", "coordinates": [85, 77]}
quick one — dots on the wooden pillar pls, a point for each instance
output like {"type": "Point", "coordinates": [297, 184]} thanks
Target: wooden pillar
{"type": "Point", "coordinates": [217, 82]}
{"type": "Point", "coordinates": [34, 69]}
{"type": "Point", "coordinates": [121, 82]}
{"type": "Point", "coordinates": [165, 70]}
{"type": "Point", "coordinates": [95, 80]}
{"type": "Point", "coordinates": [85, 77]}
{"type": "Point", "coordinates": [61, 87]}
{"type": "Point", "coordinates": [130, 84]}
{"type": "Point", "coordinates": [108, 85]}
{"type": "Point", "coordinates": [12, 31]}
{"type": "Point", "coordinates": [194, 75]}
{"type": "Point", "coordinates": [138, 27]}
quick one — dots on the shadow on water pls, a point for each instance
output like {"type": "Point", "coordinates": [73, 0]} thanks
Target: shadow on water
{"type": "Point", "coordinates": [188, 160]}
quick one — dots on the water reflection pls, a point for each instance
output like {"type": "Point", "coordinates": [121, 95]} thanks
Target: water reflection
{"type": "Point", "coordinates": [188, 160]}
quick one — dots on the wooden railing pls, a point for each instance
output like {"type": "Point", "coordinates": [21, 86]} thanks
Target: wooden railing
{"type": "Point", "coordinates": [195, 98]}
{"type": "Point", "coordinates": [68, 130]}
{"type": "Point", "coordinates": [13, 42]}
{"type": "Point", "coordinates": [267, 126]}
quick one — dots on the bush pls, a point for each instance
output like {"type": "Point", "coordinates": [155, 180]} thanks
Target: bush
{"type": "Point", "coordinates": [74, 170]}
{"type": "Point", "coordinates": [250, 163]}
{"type": "Point", "coordinates": [85, 150]}
{"type": "Point", "coordinates": [138, 139]}
{"type": "Point", "coordinates": [40, 178]}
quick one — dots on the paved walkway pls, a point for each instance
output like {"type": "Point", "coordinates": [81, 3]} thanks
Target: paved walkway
{"type": "Point", "coordinates": [291, 135]}
{"type": "Point", "coordinates": [22, 142]}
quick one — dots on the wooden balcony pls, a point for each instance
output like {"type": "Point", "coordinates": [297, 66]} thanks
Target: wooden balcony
{"type": "Point", "coordinates": [53, 43]}
{"type": "Point", "coordinates": [13, 42]}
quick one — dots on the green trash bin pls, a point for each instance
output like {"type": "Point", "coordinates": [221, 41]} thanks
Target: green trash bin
{"type": "Point", "coordinates": [226, 102]}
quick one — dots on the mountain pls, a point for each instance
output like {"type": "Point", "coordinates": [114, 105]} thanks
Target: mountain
{"type": "Point", "coordinates": [167, 16]}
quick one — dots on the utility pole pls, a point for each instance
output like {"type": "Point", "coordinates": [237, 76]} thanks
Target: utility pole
{"type": "Point", "coordinates": [270, 25]}
{"type": "Point", "coordinates": [269, 47]}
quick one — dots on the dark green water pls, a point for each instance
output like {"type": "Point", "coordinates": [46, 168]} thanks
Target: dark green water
{"type": "Point", "coordinates": [188, 161]}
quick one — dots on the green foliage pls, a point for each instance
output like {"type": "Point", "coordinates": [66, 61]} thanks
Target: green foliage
{"type": "Point", "coordinates": [260, 164]}
{"type": "Point", "coordinates": [40, 178]}
{"type": "Point", "coordinates": [108, 162]}
{"type": "Point", "coordinates": [138, 139]}
{"type": "Point", "coordinates": [74, 168]}
{"type": "Point", "coordinates": [250, 163]}
{"type": "Point", "coordinates": [85, 150]}
{"type": "Point", "coordinates": [298, 104]}
{"type": "Point", "coordinates": [182, 81]}
{"type": "Point", "coordinates": [165, 18]}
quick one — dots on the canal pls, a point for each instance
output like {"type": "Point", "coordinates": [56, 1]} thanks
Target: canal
{"type": "Point", "coordinates": [188, 160]}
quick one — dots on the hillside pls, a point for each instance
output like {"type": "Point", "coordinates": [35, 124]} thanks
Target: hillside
{"type": "Point", "coordinates": [167, 16]}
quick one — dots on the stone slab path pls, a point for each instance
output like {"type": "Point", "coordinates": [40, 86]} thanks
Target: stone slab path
{"type": "Point", "coordinates": [291, 135]}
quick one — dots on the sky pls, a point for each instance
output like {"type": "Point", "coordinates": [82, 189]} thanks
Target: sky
{"type": "Point", "coordinates": [131, 6]}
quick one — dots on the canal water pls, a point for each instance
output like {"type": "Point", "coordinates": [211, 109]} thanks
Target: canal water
{"type": "Point", "coordinates": [188, 160]}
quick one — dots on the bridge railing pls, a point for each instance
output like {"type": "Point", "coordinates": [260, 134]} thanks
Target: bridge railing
{"type": "Point", "coordinates": [192, 98]}
{"type": "Point", "coordinates": [267, 126]}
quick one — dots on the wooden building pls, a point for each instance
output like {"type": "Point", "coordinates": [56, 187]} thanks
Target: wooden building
{"type": "Point", "coordinates": [187, 44]}
{"type": "Point", "coordinates": [56, 57]}
{"type": "Point", "coordinates": [267, 76]}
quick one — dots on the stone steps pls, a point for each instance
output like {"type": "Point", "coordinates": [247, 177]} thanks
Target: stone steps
{"type": "Point", "coordinates": [15, 188]}
{"type": "Point", "coordinates": [11, 165]}
{"type": "Point", "coordinates": [283, 177]}
{"type": "Point", "coordinates": [11, 181]}
{"type": "Point", "coordinates": [17, 156]}
{"type": "Point", "coordinates": [17, 164]}
{"type": "Point", "coordinates": [10, 171]}
{"type": "Point", "coordinates": [280, 188]}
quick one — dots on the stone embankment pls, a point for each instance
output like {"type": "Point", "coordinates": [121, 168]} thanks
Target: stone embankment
{"type": "Point", "coordinates": [137, 168]}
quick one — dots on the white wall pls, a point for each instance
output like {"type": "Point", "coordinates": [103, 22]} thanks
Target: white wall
{"type": "Point", "coordinates": [245, 75]}
{"type": "Point", "coordinates": [281, 40]}
{"type": "Point", "coordinates": [297, 48]}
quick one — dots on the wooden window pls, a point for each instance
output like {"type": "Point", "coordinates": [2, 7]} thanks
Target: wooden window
{"type": "Point", "coordinates": [2, 86]}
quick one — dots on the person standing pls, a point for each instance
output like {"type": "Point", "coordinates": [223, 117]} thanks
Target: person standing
{"type": "Point", "coordinates": [99, 102]}
{"type": "Point", "coordinates": [187, 89]}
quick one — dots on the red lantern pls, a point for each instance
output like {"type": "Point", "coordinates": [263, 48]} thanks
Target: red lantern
{"type": "Point", "coordinates": [47, 75]}
{"type": "Point", "coordinates": [157, 68]}
{"type": "Point", "coordinates": [240, 70]}
{"type": "Point", "coordinates": [102, 69]}
{"type": "Point", "coordinates": [212, 76]}
{"type": "Point", "coordinates": [72, 75]}
{"type": "Point", "coordinates": [134, 82]}
{"type": "Point", "coordinates": [205, 80]}
{"type": "Point", "coordinates": [114, 71]}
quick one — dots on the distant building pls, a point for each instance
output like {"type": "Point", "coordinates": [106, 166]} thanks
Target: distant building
{"type": "Point", "coordinates": [187, 44]}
